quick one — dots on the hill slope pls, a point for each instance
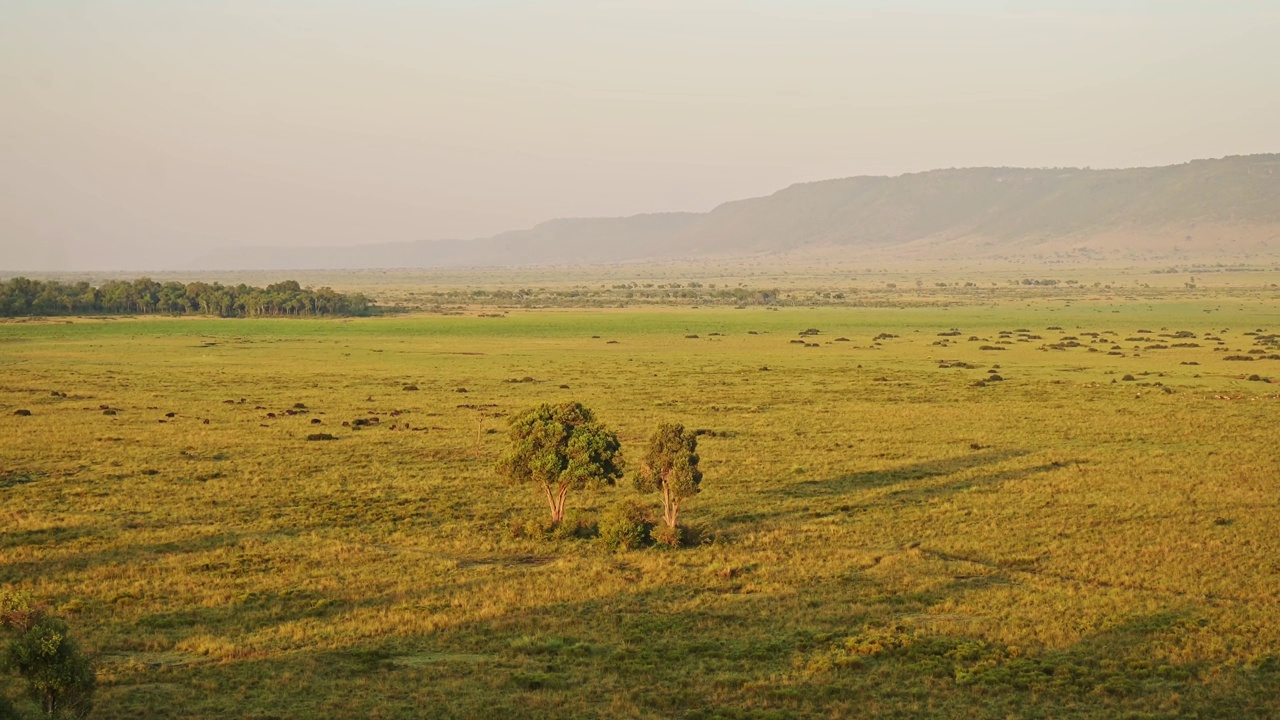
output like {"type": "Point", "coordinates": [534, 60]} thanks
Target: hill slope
{"type": "Point", "coordinates": [1205, 209]}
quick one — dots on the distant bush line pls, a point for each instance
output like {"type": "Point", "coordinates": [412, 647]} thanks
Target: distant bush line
{"type": "Point", "coordinates": [21, 297]}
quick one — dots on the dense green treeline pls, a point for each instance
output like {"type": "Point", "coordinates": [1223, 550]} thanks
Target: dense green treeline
{"type": "Point", "coordinates": [22, 296]}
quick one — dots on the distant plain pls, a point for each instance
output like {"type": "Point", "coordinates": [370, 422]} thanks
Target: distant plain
{"type": "Point", "coordinates": [886, 530]}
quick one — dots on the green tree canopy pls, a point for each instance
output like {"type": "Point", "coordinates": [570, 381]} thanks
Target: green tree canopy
{"type": "Point", "coordinates": [59, 675]}
{"type": "Point", "coordinates": [21, 297]}
{"type": "Point", "coordinates": [671, 469]}
{"type": "Point", "coordinates": [560, 448]}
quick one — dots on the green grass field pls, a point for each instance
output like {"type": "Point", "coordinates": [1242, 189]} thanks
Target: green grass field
{"type": "Point", "coordinates": [1094, 535]}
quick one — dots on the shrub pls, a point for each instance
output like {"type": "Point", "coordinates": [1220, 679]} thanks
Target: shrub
{"type": "Point", "coordinates": [697, 533]}
{"type": "Point", "coordinates": [667, 536]}
{"type": "Point", "coordinates": [59, 675]}
{"type": "Point", "coordinates": [575, 526]}
{"type": "Point", "coordinates": [626, 526]}
{"type": "Point", "coordinates": [529, 528]}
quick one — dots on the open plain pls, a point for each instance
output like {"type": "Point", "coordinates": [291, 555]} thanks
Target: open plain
{"type": "Point", "coordinates": [994, 501]}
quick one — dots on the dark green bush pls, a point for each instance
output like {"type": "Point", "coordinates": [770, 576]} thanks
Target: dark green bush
{"type": "Point", "coordinates": [58, 674]}
{"type": "Point", "coordinates": [668, 537]}
{"type": "Point", "coordinates": [627, 526]}
{"type": "Point", "coordinates": [576, 525]}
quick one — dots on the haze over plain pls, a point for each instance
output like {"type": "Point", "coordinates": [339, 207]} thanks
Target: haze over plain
{"type": "Point", "coordinates": [154, 135]}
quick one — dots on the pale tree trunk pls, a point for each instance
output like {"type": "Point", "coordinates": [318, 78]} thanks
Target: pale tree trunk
{"type": "Point", "coordinates": [558, 514]}
{"type": "Point", "coordinates": [556, 501]}
{"type": "Point", "coordinates": [551, 502]}
{"type": "Point", "coordinates": [670, 507]}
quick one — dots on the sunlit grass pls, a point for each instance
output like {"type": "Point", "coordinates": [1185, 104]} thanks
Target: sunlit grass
{"type": "Point", "coordinates": [884, 537]}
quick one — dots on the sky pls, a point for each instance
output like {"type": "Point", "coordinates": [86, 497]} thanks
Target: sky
{"type": "Point", "coordinates": [141, 134]}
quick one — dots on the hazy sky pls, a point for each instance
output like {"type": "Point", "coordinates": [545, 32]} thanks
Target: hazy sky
{"type": "Point", "coordinates": [140, 133]}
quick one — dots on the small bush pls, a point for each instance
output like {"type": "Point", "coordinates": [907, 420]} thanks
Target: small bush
{"type": "Point", "coordinates": [321, 436]}
{"type": "Point", "coordinates": [59, 676]}
{"type": "Point", "coordinates": [10, 479]}
{"type": "Point", "coordinates": [668, 537]}
{"type": "Point", "coordinates": [530, 528]}
{"type": "Point", "coordinates": [627, 526]}
{"type": "Point", "coordinates": [697, 533]}
{"type": "Point", "coordinates": [575, 526]}
{"type": "Point", "coordinates": [22, 413]}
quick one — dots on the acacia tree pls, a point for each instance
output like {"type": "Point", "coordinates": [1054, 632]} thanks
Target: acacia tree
{"type": "Point", "coordinates": [59, 675]}
{"type": "Point", "coordinates": [560, 448]}
{"type": "Point", "coordinates": [671, 468]}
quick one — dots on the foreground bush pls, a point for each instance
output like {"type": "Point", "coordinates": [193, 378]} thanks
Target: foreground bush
{"type": "Point", "coordinates": [59, 676]}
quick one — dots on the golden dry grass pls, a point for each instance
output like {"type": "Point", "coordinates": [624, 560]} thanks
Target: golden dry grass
{"type": "Point", "coordinates": [883, 537]}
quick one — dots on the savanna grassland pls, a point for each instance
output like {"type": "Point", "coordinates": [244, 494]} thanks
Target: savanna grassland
{"type": "Point", "coordinates": [885, 528]}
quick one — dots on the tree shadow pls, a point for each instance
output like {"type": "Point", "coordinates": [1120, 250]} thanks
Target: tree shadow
{"type": "Point", "coordinates": [927, 492]}
{"type": "Point", "coordinates": [14, 571]}
{"type": "Point", "coordinates": [25, 538]}
{"type": "Point", "coordinates": [874, 479]}
{"type": "Point", "coordinates": [247, 613]}
{"type": "Point", "coordinates": [842, 647]}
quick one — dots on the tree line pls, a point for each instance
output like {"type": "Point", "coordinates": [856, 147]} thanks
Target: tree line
{"type": "Point", "coordinates": [21, 297]}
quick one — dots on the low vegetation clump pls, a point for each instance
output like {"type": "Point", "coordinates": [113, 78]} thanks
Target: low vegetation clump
{"type": "Point", "coordinates": [628, 525]}
{"type": "Point", "coordinates": [59, 677]}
